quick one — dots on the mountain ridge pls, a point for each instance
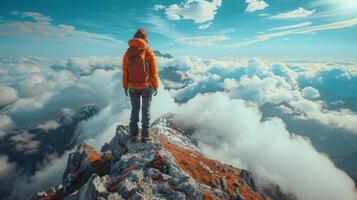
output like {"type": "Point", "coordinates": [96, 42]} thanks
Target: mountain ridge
{"type": "Point", "coordinates": [168, 167]}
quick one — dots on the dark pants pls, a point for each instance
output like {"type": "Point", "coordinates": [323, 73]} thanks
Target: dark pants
{"type": "Point", "coordinates": [135, 96]}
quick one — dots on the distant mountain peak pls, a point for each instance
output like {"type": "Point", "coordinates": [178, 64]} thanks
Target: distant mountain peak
{"type": "Point", "coordinates": [168, 167]}
{"type": "Point", "coordinates": [164, 55]}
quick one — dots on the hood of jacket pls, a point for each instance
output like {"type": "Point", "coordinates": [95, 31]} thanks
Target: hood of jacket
{"type": "Point", "coordinates": [137, 42]}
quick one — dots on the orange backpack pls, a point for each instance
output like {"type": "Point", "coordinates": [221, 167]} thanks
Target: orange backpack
{"type": "Point", "coordinates": [138, 70]}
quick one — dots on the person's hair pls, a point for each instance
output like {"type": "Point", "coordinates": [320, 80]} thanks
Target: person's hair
{"type": "Point", "coordinates": [142, 34]}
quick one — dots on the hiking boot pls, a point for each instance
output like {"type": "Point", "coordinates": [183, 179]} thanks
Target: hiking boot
{"type": "Point", "coordinates": [145, 138]}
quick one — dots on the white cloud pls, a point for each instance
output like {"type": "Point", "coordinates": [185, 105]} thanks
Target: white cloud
{"type": "Point", "coordinates": [304, 30]}
{"type": "Point", "coordinates": [8, 95]}
{"type": "Point", "coordinates": [80, 65]}
{"type": "Point", "coordinates": [45, 93]}
{"type": "Point", "coordinates": [24, 143]}
{"type": "Point", "coordinates": [28, 69]}
{"type": "Point", "coordinates": [30, 103]}
{"type": "Point", "coordinates": [310, 93]}
{"type": "Point", "coordinates": [255, 5]}
{"type": "Point", "coordinates": [67, 112]}
{"type": "Point", "coordinates": [2, 134]}
{"type": "Point", "coordinates": [49, 125]}
{"type": "Point", "coordinates": [262, 90]}
{"type": "Point", "coordinates": [158, 7]}
{"type": "Point", "coordinates": [344, 118]}
{"type": "Point", "coordinates": [260, 81]}
{"type": "Point", "coordinates": [207, 83]}
{"type": "Point", "coordinates": [200, 41]}
{"type": "Point", "coordinates": [297, 13]}
{"type": "Point", "coordinates": [6, 168]}
{"type": "Point", "coordinates": [6, 122]}
{"type": "Point", "coordinates": [47, 176]}
{"type": "Point", "coordinates": [229, 84]}
{"type": "Point", "coordinates": [200, 11]}
{"type": "Point", "coordinates": [238, 136]}
{"type": "Point", "coordinates": [35, 84]}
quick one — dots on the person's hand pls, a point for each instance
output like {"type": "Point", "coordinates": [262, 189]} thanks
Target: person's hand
{"type": "Point", "coordinates": [155, 92]}
{"type": "Point", "coordinates": [126, 92]}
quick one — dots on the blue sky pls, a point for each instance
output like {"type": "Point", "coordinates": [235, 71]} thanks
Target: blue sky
{"type": "Point", "coordinates": [217, 28]}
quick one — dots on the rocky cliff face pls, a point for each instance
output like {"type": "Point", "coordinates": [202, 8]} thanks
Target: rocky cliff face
{"type": "Point", "coordinates": [168, 167]}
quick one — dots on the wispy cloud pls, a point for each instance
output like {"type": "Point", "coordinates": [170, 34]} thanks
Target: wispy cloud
{"type": "Point", "coordinates": [34, 15]}
{"type": "Point", "coordinates": [304, 30]}
{"type": "Point", "coordinates": [297, 13]}
{"type": "Point", "coordinates": [349, 4]}
{"type": "Point", "coordinates": [161, 26]}
{"type": "Point", "coordinates": [290, 26]}
{"type": "Point", "coordinates": [41, 28]}
{"type": "Point", "coordinates": [205, 26]}
{"type": "Point", "coordinates": [199, 41]}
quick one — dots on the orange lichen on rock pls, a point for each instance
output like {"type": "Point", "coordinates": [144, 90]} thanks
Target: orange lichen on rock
{"type": "Point", "coordinates": [209, 196]}
{"type": "Point", "coordinates": [92, 154]}
{"type": "Point", "coordinates": [158, 162]}
{"type": "Point", "coordinates": [210, 172]}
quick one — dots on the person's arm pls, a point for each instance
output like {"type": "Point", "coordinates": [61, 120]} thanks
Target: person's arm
{"type": "Point", "coordinates": [151, 58]}
{"type": "Point", "coordinates": [125, 64]}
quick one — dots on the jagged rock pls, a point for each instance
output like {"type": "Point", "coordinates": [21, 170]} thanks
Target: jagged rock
{"type": "Point", "coordinates": [168, 167]}
{"type": "Point", "coordinates": [223, 183]}
{"type": "Point", "coordinates": [236, 193]}
{"type": "Point", "coordinates": [114, 196]}
{"type": "Point", "coordinates": [127, 187]}
{"type": "Point", "coordinates": [247, 176]}
{"type": "Point", "coordinates": [138, 196]}
{"type": "Point", "coordinates": [155, 174]}
{"type": "Point", "coordinates": [172, 194]}
{"type": "Point", "coordinates": [85, 159]}
{"type": "Point", "coordinates": [136, 176]}
{"type": "Point", "coordinates": [94, 187]}
{"type": "Point", "coordinates": [118, 144]}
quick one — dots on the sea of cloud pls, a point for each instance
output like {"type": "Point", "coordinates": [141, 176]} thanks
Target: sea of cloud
{"type": "Point", "coordinates": [301, 84]}
{"type": "Point", "coordinates": [232, 130]}
{"type": "Point", "coordinates": [222, 102]}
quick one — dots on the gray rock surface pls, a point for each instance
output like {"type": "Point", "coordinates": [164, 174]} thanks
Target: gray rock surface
{"type": "Point", "coordinates": [143, 171]}
{"type": "Point", "coordinates": [248, 178]}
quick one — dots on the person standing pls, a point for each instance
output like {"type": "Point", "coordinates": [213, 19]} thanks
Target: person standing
{"type": "Point", "coordinates": [140, 81]}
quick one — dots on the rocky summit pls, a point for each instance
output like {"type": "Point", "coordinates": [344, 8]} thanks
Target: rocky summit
{"type": "Point", "coordinates": [170, 166]}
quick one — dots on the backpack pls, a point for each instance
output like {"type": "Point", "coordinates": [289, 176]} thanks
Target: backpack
{"type": "Point", "coordinates": [138, 70]}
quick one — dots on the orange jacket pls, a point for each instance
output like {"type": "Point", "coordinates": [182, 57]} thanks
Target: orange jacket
{"type": "Point", "coordinates": [151, 59]}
